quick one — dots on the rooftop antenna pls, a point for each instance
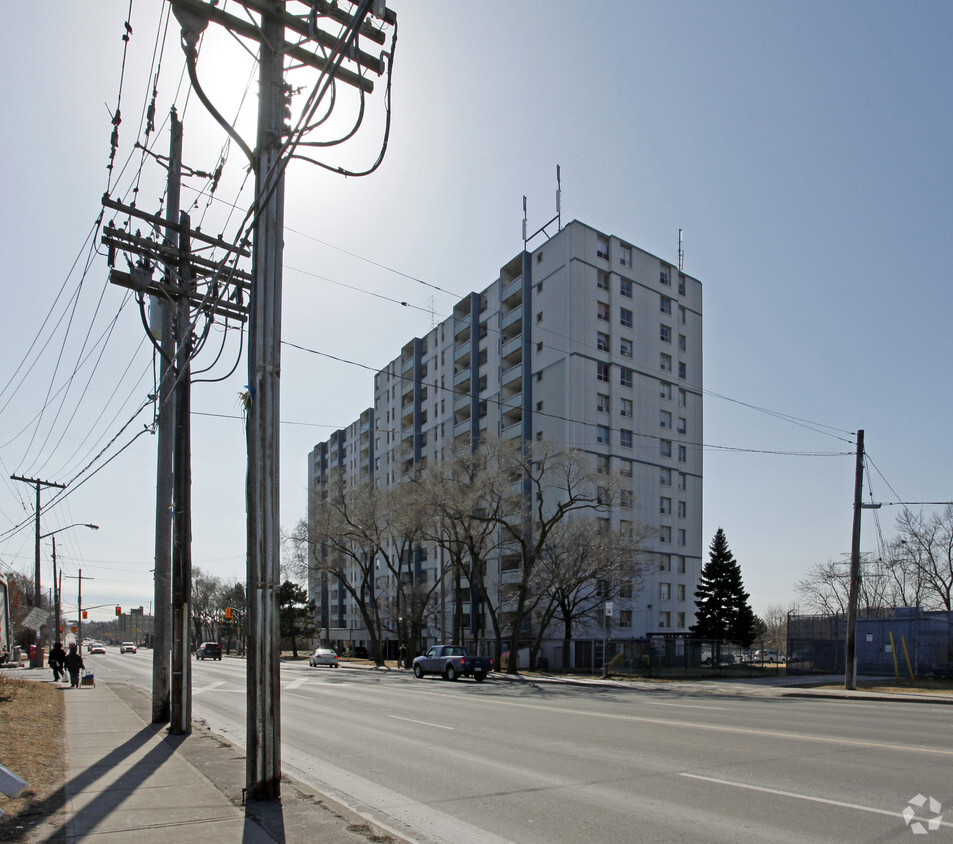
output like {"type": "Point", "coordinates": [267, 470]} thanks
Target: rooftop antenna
{"type": "Point", "coordinates": [557, 219]}
{"type": "Point", "coordinates": [524, 220]}
{"type": "Point", "coordinates": [559, 201]}
{"type": "Point", "coordinates": [681, 252]}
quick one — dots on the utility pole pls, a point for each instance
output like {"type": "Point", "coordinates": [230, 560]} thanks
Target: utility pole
{"type": "Point", "coordinates": [853, 595]}
{"type": "Point", "coordinates": [37, 661]}
{"type": "Point", "coordinates": [181, 692]}
{"type": "Point", "coordinates": [57, 583]}
{"type": "Point", "coordinates": [79, 604]}
{"type": "Point", "coordinates": [263, 722]}
{"type": "Point", "coordinates": [162, 628]}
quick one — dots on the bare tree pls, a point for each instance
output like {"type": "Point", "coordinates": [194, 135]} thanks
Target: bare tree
{"type": "Point", "coordinates": [294, 553]}
{"type": "Point", "coordinates": [205, 604]}
{"type": "Point", "coordinates": [924, 548]}
{"type": "Point", "coordinates": [825, 588]}
{"type": "Point", "coordinates": [775, 618]}
{"type": "Point", "coordinates": [583, 565]}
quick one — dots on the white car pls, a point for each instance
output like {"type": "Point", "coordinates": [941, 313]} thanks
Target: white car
{"type": "Point", "coordinates": [127, 648]}
{"type": "Point", "coordinates": [323, 656]}
{"type": "Point", "coordinates": [97, 648]}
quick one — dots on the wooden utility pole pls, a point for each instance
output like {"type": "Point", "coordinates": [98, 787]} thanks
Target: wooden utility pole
{"type": "Point", "coordinates": [263, 723]}
{"type": "Point", "coordinates": [162, 628]}
{"type": "Point", "coordinates": [37, 661]}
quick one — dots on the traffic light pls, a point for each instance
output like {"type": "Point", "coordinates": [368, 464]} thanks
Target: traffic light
{"type": "Point", "coordinates": [118, 610]}
{"type": "Point", "coordinates": [85, 614]}
{"type": "Point", "coordinates": [228, 613]}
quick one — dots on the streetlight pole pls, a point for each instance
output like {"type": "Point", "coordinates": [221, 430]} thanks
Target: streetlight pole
{"type": "Point", "coordinates": [53, 533]}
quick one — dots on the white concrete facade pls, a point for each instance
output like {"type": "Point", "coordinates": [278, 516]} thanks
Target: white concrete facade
{"type": "Point", "coordinates": [585, 340]}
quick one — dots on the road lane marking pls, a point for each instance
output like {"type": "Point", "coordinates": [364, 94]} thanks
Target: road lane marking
{"type": "Point", "coordinates": [209, 687]}
{"type": "Point", "coordinates": [716, 728]}
{"type": "Point", "coordinates": [425, 723]}
{"type": "Point", "coordinates": [797, 796]}
{"type": "Point", "coordinates": [682, 705]}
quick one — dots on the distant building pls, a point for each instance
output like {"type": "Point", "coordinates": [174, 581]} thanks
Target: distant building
{"type": "Point", "coordinates": [586, 340]}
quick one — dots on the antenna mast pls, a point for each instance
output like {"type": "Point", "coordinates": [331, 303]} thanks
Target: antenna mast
{"type": "Point", "coordinates": [681, 252]}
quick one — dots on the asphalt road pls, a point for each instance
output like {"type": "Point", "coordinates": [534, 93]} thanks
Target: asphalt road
{"type": "Point", "coordinates": [547, 762]}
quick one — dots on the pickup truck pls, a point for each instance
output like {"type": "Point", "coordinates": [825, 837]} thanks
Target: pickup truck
{"type": "Point", "coordinates": [452, 661]}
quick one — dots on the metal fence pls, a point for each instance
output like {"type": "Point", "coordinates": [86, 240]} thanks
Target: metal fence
{"type": "Point", "coordinates": [669, 655]}
{"type": "Point", "coordinates": [899, 641]}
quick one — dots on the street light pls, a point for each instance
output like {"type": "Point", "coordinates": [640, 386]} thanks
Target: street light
{"type": "Point", "coordinates": [56, 585]}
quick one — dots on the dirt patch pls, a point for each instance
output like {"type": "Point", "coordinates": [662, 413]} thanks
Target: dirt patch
{"type": "Point", "coordinates": [32, 731]}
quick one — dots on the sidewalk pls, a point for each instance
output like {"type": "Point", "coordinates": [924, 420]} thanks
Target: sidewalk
{"type": "Point", "coordinates": [129, 780]}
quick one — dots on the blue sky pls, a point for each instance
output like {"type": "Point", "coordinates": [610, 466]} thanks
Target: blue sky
{"type": "Point", "coordinates": [804, 149]}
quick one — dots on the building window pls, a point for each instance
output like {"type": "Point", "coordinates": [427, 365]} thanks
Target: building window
{"type": "Point", "coordinates": [539, 405]}
{"type": "Point", "coordinates": [681, 565]}
{"type": "Point", "coordinates": [625, 348]}
{"type": "Point", "coordinates": [539, 257]}
{"type": "Point", "coordinates": [682, 509]}
{"type": "Point", "coordinates": [625, 498]}
{"type": "Point", "coordinates": [602, 434]}
{"type": "Point", "coordinates": [625, 288]}
{"type": "Point", "coordinates": [664, 278]}
{"type": "Point", "coordinates": [602, 311]}
{"type": "Point", "coordinates": [665, 334]}
{"type": "Point", "coordinates": [664, 620]}
{"type": "Point", "coordinates": [539, 346]}
{"type": "Point", "coordinates": [682, 425]}
{"type": "Point", "coordinates": [665, 419]}
{"type": "Point", "coordinates": [682, 454]}
{"type": "Point", "coordinates": [665, 362]}
{"type": "Point", "coordinates": [681, 592]}
{"type": "Point", "coordinates": [602, 280]}
{"type": "Point", "coordinates": [682, 315]}
{"type": "Point", "coordinates": [625, 589]}
{"type": "Point", "coordinates": [602, 371]}
{"type": "Point", "coordinates": [665, 448]}
{"type": "Point", "coordinates": [625, 317]}
{"type": "Point", "coordinates": [539, 286]}
{"type": "Point", "coordinates": [681, 285]}
{"type": "Point", "coordinates": [625, 376]}
{"type": "Point", "coordinates": [681, 620]}
{"type": "Point", "coordinates": [539, 317]}
{"type": "Point", "coordinates": [602, 403]}
{"type": "Point", "coordinates": [682, 480]}
{"type": "Point", "coordinates": [625, 618]}
{"type": "Point", "coordinates": [665, 534]}
{"type": "Point", "coordinates": [626, 469]}
{"type": "Point", "coordinates": [665, 591]}
{"type": "Point", "coordinates": [602, 464]}
{"type": "Point", "coordinates": [625, 438]}
{"type": "Point", "coordinates": [602, 342]}
{"type": "Point", "coordinates": [665, 304]}
{"type": "Point", "coordinates": [665, 506]}
{"type": "Point", "coordinates": [664, 562]}
{"type": "Point", "coordinates": [602, 248]}
{"type": "Point", "coordinates": [625, 255]}
{"type": "Point", "coordinates": [627, 410]}
{"type": "Point", "coordinates": [665, 390]}
{"type": "Point", "coordinates": [682, 343]}
{"type": "Point", "coordinates": [682, 370]}
{"type": "Point", "coordinates": [665, 477]}
{"type": "Point", "coordinates": [681, 537]}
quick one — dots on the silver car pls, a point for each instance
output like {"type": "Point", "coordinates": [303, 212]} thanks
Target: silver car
{"type": "Point", "coordinates": [323, 656]}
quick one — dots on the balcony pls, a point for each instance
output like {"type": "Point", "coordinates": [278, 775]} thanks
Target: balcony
{"type": "Point", "coordinates": [514, 317]}
{"type": "Point", "coordinates": [512, 293]}
{"type": "Point", "coordinates": [462, 377]}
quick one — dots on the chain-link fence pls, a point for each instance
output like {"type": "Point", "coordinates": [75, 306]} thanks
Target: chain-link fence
{"type": "Point", "coordinates": [900, 641]}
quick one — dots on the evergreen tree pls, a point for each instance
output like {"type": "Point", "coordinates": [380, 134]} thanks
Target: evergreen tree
{"type": "Point", "coordinates": [295, 614]}
{"type": "Point", "coordinates": [722, 605]}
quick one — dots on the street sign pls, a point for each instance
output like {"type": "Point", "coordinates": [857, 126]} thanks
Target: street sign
{"type": "Point", "coordinates": [36, 618]}
{"type": "Point", "coordinates": [608, 607]}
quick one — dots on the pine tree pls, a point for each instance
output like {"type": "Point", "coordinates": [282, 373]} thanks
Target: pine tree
{"type": "Point", "coordinates": [722, 605]}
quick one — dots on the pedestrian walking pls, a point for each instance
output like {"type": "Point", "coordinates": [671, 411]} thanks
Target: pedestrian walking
{"type": "Point", "coordinates": [74, 663]}
{"type": "Point", "coordinates": [402, 656]}
{"type": "Point", "coordinates": [58, 661]}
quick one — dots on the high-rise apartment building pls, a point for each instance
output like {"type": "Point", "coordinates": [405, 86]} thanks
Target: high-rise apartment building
{"type": "Point", "coordinates": [587, 341]}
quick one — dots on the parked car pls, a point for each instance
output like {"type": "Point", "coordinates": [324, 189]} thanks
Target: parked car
{"type": "Point", "coordinates": [209, 650]}
{"type": "Point", "coordinates": [360, 652]}
{"type": "Point", "coordinates": [323, 656]}
{"type": "Point", "coordinates": [767, 655]}
{"type": "Point", "coordinates": [127, 648]}
{"type": "Point", "coordinates": [97, 648]}
{"type": "Point", "coordinates": [452, 661]}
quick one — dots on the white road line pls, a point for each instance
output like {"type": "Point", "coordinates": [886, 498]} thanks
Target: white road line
{"type": "Point", "coordinates": [682, 705]}
{"type": "Point", "coordinates": [424, 723]}
{"type": "Point", "coordinates": [209, 687]}
{"type": "Point", "coordinates": [808, 797]}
